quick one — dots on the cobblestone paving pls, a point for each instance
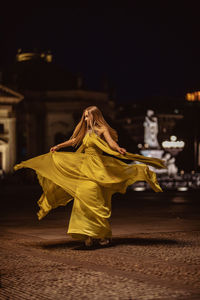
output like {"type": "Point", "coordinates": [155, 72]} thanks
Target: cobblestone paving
{"type": "Point", "coordinates": [155, 253]}
{"type": "Point", "coordinates": [140, 266]}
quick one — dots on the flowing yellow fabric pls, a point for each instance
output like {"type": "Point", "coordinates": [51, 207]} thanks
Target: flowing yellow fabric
{"type": "Point", "coordinates": [90, 178]}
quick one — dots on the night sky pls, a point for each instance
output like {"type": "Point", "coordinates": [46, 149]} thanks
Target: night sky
{"type": "Point", "coordinates": [143, 50]}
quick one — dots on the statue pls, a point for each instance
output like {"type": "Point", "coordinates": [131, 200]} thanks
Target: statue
{"type": "Point", "coordinates": [170, 163]}
{"type": "Point", "coordinates": [151, 130]}
{"type": "Point", "coordinates": [152, 147]}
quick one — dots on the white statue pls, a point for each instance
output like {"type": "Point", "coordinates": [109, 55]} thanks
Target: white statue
{"type": "Point", "coordinates": [151, 130]}
{"type": "Point", "coordinates": [170, 163]}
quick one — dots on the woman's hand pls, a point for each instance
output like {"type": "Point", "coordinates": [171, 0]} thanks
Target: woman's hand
{"type": "Point", "coordinates": [121, 150]}
{"type": "Point", "coordinates": [54, 148]}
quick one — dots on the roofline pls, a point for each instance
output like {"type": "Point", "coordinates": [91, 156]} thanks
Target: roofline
{"type": "Point", "coordinates": [18, 97]}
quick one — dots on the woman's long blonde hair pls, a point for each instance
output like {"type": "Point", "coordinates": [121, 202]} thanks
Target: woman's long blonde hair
{"type": "Point", "coordinates": [97, 120]}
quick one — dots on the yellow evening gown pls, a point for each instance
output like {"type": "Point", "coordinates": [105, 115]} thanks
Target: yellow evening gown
{"type": "Point", "coordinates": [90, 178]}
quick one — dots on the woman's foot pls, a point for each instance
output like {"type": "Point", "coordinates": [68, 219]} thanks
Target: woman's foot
{"type": "Point", "coordinates": [89, 241]}
{"type": "Point", "coordinates": [105, 241]}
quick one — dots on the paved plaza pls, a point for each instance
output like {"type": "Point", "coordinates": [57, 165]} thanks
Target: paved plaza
{"type": "Point", "coordinates": [155, 252]}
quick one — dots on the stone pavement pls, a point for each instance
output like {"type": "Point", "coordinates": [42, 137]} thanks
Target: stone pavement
{"type": "Point", "coordinates": [155, 253]}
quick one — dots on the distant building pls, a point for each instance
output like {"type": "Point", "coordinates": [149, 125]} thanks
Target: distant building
{"type": "Point", "coordinates": [8, 100]}
{"type": "Point", "coordinates": [40, 105]}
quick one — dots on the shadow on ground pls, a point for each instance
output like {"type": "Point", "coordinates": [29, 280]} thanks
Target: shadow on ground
{"type": "Point", "coordinates": [115, 242]}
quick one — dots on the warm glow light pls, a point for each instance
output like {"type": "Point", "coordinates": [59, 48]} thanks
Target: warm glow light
{"type": "Point", "coordinates": [195, 96]}
{"type": "Point", "coordinates": [27, 56]}
{"type": "Point", "coordinates": [49, 58]}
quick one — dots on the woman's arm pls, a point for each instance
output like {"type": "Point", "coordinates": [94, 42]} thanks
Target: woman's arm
{"type": "Point", "coordinates": [62, 145]}
{"type": "Point", "coordinates": [152, 161]}
{"type": "Point", "coordinates": [113, 145]}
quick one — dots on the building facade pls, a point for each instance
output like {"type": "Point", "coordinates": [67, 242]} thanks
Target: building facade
{"type": "Point", "coordinates": [8, 134]}
{"type": "Point", "coordinates": [40, 105]}
{"type": "Point", "coordinates": [32, 123]}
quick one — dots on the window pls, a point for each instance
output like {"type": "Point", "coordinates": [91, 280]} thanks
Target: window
{"type": "Point", "coordinates": [0, 160]}
{"type": "Point", "coordinates": [1, 128]}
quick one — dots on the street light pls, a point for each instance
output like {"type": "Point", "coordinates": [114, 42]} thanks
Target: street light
{"type": "Point", "coordinates": [194, 98]}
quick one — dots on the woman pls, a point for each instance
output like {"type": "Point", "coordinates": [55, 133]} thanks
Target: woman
{"type": "Point", "coordinates": [89, 177]}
